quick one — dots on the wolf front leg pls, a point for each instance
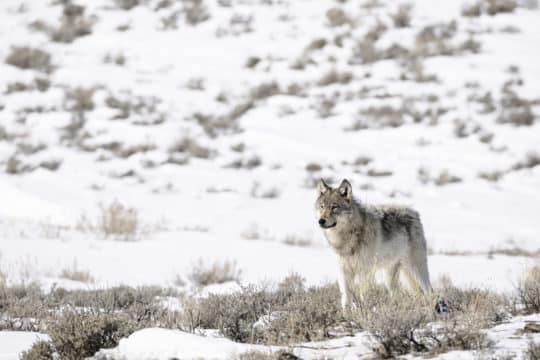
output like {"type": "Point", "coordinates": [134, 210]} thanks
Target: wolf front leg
{"type": "Point", "coordinates": [344, 283]}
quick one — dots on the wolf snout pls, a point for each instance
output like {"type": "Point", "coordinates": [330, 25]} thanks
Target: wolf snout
{"type": "Point", "coordinates": [325, 224]}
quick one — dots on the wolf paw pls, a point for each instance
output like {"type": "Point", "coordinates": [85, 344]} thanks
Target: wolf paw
{"type": "Point", "coordinates": [442, 307]}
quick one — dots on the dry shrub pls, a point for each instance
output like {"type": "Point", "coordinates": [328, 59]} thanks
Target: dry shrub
{"type": "Point", "coordinates": [306, 315]}
{"type": "Point", "coordinates": [119, 220]}
{"type": "Point", "coordinates": [494, 7]}
{"type": "Point", "coordinates": [79, 99]}
{"type": "Point", "coordinates": [313, 167]}
{"type": "Point", "coordinates": [473, 9]}
{"type": "Point", "coordinates": [217, 273]}
{"type": "Point", "coordinates": [395, 51]}
{"type": "Point", "coordinates": [413, 69]}
{"type": "Point", "coordinates": [514, 109]}
{"type": "Point", "coordinates": [380, 117]}
{"type": "Point", "coordinates": [226, 123]}
{"type": "Point", "coordinates": [533, 351]}
{"type": "Point", "coordinates": [17, 86]}
{"type": "Point", "coordinates": [252, 62]}
{"type": "Point", "coordinates": [404, 322]}
{"type": "Point", "coordinates": [492, 176]}
{"type": "Point", "coordinates": [138, 304]}
{"type": "Point", "coordinates": [316, 44]}
{"type": "Point", "coordinates": [379, 172]}
{"type": "Point", "coordinates": [25, 57]}
{"type": "Point", "coordinates": [434, 40]}
{"type": "Point", "coordinates": [337, 17]}
{"type": "Point", "coordinates": [73, 273]}
{"type": "Point", "coordinates": [256, 355]}
{"type": "Point", "coordinates": [80, 334]}
{"type": "Point", "coordinates": [41, 350]}
{"type": "Point", "coordinates": [233, 314]}
{"type": "Point", "coordinates": [470, 45]}
{"type": "Point", "coordinates": [325, 107]}
{"type": "Point", "coordinates": [463, 332]}
{"type": "Point", "coordinates": [126, 4]}
{"type": "Point", "coordinates": [124, 107]}
{"type": "Point", "coordinates": [170, 21]}
{"type": "Point", "coordinates": [127, 151]}
{"type": "Point", "coordinates": [15, 166]}
{"type": "Point", "coordinates": [73, 133]}
{"type": "Point", "coordinates": [402, 17]}
{"type": "Point", "coordinates": [394, 319]}
{"type": "Point", "coordinates": [51, 165]}
{"type": "Point", "coordinates": [531, 160]}
{"type": "Point", "coordinates": [488, 307]}
{"type": "Point", "coordinates": [268, 193]}
{"type": "Point", "coordinates": [470, 312]}
{"type": "Point", "coordinates": [264, 91]}
{"type": "Point", "coordinates": [445, 178]}
{"type": "Point", "coordinates": [28, 148]}
{"type": "Point", "coordinates": [294, 240]}
{"type": "Point", "coordinates": [486, 102]}
{"type": "Point", "coordinates": [73, 24]}
{"type": "Point", "coordinates": [195, 11]}
{"type": "Point", "coordinates": [190, 146]}
{"type": "Point", "coordinates": [23, 307]}
{"type": "Point", "coordinates": [238, 147]}
{"type": "Point", "coordinates": [245, 163]}
{"type": "Point", "coordinates": [362, 160]}
{"type": "Point", "coordinates": [195, 84]}
{"type": "Point", "coordinates": [118, 59]}
{"type": "Point", "coordinates": [288, 314]}
{"type": "Point", "coordinates": [127, 104]}
{"type": "Point", "coordinates": [266, 355]}
{"type": "Point", "coordinates": [26, 307]}
{"type": "Point", "coordinates": [2, 277]}
{"type": "Point", "coordinates": [528, 291]}
{"type": "Point", "coordinates": [238, 24]}
{"type": "Point", "coordinates": [335, 77]}
{"type": "Point", "coordinates": [365, 52]}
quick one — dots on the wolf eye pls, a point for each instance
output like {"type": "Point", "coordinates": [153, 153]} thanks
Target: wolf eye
{"type": "Point", "coordinates": [334, 207]}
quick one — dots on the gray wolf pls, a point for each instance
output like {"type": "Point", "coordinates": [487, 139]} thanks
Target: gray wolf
{"type": "Point", "coordinates": [366, 238]}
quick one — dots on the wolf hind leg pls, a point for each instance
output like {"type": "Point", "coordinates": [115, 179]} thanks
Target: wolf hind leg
{"type": "Point", "coordinates": [416, 265]}
{"type": "Point", "coordinates": [417, 277]}
{"type": "Point", "coordinates": [391, 276]}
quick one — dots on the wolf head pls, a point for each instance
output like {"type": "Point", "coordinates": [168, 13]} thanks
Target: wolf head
{"type": "Point", "coordinates": [333, 205]}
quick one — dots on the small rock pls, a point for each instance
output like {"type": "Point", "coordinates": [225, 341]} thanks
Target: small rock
{"type": "Point", "coordinates": [532, 328]}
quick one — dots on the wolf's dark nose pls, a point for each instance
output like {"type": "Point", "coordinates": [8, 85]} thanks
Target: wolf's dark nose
{"type": "Point", "coordinates": [321, 222]}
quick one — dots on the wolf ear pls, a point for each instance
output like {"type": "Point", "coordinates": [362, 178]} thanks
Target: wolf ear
{"type": "Point", "coordinates": [322, 187]}
{"type": "Point", "coordinates": [345, 189]}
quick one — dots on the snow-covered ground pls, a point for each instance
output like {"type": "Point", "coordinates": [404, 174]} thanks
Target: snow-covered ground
{"type": "Point", "coordinates": [13, 343]}
{"type": "Point", "coordinates": [167, 344]}
{"type": "Point", "coordinates": [242, 187]}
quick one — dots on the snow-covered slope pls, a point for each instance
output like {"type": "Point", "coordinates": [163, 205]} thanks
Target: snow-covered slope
{"type": "Point", "coordinates": [213, 120]}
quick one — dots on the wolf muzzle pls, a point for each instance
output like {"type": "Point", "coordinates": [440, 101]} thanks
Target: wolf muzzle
{"type": "Point", "coordinates": [324, 225]}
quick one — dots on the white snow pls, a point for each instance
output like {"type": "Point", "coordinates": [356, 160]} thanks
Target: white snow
{"type": "Point", "coordinates": [12, 343]}
{"type": "Point", "coordinates": [167, 344]}
{"type": "Point", "coordinates": [209, 211]}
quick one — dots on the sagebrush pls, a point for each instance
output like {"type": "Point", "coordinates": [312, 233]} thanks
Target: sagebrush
{"type": "Point", "coordinates": [216, 273]}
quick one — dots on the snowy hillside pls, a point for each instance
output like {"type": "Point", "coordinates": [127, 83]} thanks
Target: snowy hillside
{"type": "Point", "coordinates": [199, 128]}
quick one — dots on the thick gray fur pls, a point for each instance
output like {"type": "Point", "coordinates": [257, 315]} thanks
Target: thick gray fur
{"type": "Point", "coordinates": [366, 238]}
